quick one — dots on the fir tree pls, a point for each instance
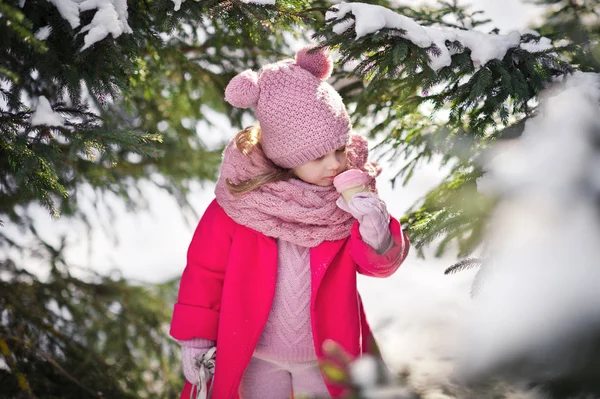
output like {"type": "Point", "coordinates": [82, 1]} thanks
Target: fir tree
{"type": "Point", "coordinates": [574, 22]}
{"type": "Point", "coordinates": [424, 106]}
{"type": "Point", "coordinates": [84, 88]}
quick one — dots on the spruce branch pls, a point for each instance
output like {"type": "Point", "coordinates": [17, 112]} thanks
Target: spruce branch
{"type": "Point", "coordinates": [463, 264]}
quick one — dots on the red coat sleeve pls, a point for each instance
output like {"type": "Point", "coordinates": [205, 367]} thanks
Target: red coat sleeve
{"type": "Point", "coordinates": [196, 313]}
{"type": "Point", "coordinates": [369, 262]}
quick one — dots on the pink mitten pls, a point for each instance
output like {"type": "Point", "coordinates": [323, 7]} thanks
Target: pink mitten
{"type": "Point", "coordinates": [373, 219]}
{"type": "Point", "coordinates": [193, 350]}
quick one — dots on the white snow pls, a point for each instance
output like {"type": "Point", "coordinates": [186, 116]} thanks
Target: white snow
{"type": "Point", "coordinates": [177, 4]}
{"type": "Point", "coordinates": [69, 10]}
{"type": "Point", "coordinates": [45, 115]}
{"type": "Point", "coordinates": [43, 32]}
{"type": "Point", "coordinates": [542, 280]}
{"type": "Point", "coordinates": [5, 85]}
{"type": "Point", "coordinates": [484, 47]}
{"type": "Point", "coordinates": [111, 18]}
{"type": "Point", "coordinates": [121, 8]}
{"type": "Point", "coordinates": [260, 2]}
{"type": "Point", "coordinates": [363, 371]}
{"type": "Point", "coordinates": [543, 44]}
{"type": "Point", "coordinates": [371, 18]}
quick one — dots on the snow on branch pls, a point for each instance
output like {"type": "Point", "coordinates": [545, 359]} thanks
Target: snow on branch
{"type": "Point", "coordinates": [110, 18]}
{"type": "Point", "coordinates": [69, 10]}
{"type": "Point", "coordinates": [45, 115]}
{"type": "Point", "coordinates": [369, 19]}
{"type": "Point", "coordinates": [43, 32]}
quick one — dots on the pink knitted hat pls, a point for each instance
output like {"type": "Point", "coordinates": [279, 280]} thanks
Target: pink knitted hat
{"type": "Point", "coordinates": [301, 116]}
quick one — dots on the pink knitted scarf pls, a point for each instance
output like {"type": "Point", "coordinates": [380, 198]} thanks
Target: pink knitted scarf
{"type": "Point", "coordinates": [291, 210]}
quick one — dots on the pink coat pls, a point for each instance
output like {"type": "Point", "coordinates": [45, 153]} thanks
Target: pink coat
{"type": "Point", "coordinates": [231, 271]}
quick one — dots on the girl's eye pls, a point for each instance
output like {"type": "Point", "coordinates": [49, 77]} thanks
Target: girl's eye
{"type": "Point", "coordinates": [343, 149]}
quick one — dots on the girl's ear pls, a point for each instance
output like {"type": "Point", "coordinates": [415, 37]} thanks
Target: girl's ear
{"type": "Point", "coordinates": [243, 91]}
{"type": "Point", "coordinates": [318, 62]}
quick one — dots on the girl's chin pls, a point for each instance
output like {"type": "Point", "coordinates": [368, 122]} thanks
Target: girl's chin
{"type": "Point", "coordinates": [326, 183]}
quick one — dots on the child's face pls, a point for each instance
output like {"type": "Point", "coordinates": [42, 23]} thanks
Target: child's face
{"type": "Point", "coordinates": [321, 171]}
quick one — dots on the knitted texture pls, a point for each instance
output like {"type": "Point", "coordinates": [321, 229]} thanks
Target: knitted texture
{"type": "Point", "coordinates": [373, 220]}
{"type": "Point", "coordinates": [287, 335]}
{"type": "Point", "coordinates": [301, 116]}
{"type": "Point", "coordinates": [291, 210]}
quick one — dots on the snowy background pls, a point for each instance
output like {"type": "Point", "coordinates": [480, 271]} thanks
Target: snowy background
{"type": "Point", "coordinates": [415, 314]}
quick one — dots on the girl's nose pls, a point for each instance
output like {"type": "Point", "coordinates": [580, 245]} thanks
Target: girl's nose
{"type": "Point", "coordinates": [333, 162]}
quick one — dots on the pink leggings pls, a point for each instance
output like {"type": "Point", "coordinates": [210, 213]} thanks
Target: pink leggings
{"type": "Point", "coordinates": [272, 379]}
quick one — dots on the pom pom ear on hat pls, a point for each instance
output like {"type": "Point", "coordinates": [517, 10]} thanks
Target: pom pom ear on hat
{"type": "Point", "coordinates": [243, 91]}
{"type": "Point", "coordinates": [318, 62]}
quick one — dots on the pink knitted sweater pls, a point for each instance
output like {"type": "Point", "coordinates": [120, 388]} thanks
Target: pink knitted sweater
{"type": "Point", "coordinates": [288, 335]}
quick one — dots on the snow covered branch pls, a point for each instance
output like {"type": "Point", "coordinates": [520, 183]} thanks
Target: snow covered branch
{"type": "Point", "coordinates": [110, 18]}
{"type": "Point", "coordinates": [45, 115]}
{"type": "Point", "coordinates": [368, 19]}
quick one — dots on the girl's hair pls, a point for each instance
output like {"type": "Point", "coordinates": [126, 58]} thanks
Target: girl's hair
{"type": "Point", "coordinates": [246, 141]}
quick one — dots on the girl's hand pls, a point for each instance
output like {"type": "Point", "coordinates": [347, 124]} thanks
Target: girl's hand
{"type": "Point", "coordinates": [193, 352]}
{"type": "Point", "coordinates": [373, 219]}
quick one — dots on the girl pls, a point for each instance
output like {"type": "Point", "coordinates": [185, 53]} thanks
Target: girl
{"type": "Point", "coordinates": [271, 269]}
